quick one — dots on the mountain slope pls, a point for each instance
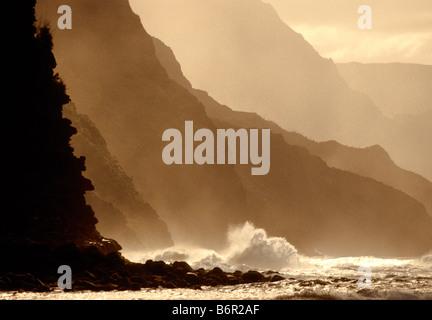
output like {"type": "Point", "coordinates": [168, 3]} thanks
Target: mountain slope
{"type": "Point", "coordinates": [402, 91]}
{"type": "Point", "coordinates": [337, 208]}
{"type": "Point", "coordinates": [266, 67]}
{"type": "Point", "coordinates": [122, 213]}
{"type": "Point", "coordinates": [254, 62]}
{"type": "Point", "coordinates": [117, 80]}
{"type": "Point", "coordinates": [372, 162]}
{"type": "Point", "coordinates": [396, 88]}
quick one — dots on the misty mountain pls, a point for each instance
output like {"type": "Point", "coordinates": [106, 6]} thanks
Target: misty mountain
{"type": "Point", "coordinates": [402, 91]}
{"type": "Point", "coordinates": [116, 79]}
{"type": "Point", "coordinates": [373, 162]}
{"type": "Point", "coordinates": [254, 62]}
{"type": "Point", "coordinates": [396, 88]}
{"type": "Point", "coordinates": [120, 209]}
{"type": "Point", "coordinates": [266, 67]}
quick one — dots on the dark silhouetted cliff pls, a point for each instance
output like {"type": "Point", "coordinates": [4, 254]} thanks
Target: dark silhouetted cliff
{"type": "Point", "coordinates": [45, 185]}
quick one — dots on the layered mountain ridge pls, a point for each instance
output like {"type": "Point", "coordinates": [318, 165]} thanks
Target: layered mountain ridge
{"type": "Point", "coordinates": [254, 62]}
{"type": "Point", "coordinates": [115, 78]}
{"type": "Point", "coordinates": [402, 91]}
{"type": "Point", "coordinates": [373, 162]}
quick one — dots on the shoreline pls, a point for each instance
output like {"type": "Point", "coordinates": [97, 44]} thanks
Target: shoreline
{"type": "Point", "coordinates": [97, 271]}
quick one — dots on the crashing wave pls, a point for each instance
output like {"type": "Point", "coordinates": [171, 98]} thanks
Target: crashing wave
{"type": "Point", "coordinates": [248, 248]}
{"type": "Point", "coordinates": [252, 247]}
{"type": "Point", "coordinates": [427, 258]}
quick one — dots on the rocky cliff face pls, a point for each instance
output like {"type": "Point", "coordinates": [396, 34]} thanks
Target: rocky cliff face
{"type": "Point", "coordinates": [46, 187]}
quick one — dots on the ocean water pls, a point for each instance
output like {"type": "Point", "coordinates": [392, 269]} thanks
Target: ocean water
{"type": "Point", "coordinates": [314, 278]}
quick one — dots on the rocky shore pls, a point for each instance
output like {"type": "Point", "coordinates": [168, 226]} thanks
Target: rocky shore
{"type": "Point", "coordinates": [92, 269]}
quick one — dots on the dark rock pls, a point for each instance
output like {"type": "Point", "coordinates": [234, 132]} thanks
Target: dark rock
{"type": "Point", "coordinates": [107, 246]}
{"type": "Point", "coordinates": [217, 271]}
{"type": "Point", "coordinates": [232, 279]}
{"type": "Point", "coordinates": [157, 267]}
{"type": "Point", "coordinates": [114, 259]}
{"type": "Point", "coordinates": [216, 276]}
{"type": "Point", "coordinates": [90, 275]}
{"type": "Point", "coordinates": [93, 254]}
{"type": "Point", "coordinates": [238, 273]}
{"type": "Point", "coordinates": [138, 268]}
{"type": "Point", "coordinates": [84, 285]}
{"type": "Point", "coordinates": [214, 281]}
{"type": "Point", "coordinates": [68, 254]}
{"type": "Point", "coordinates": [182, 267]}
{"type": "Point", "coordinates": [192, 278]}
{"type": "Point", "coordinates": [252, 276]}
{"type": "Point", "coordinates": [201, 271]}
{"type": "Point", "coordinates": [42, 287]}
{"type": "Point", "coordinates": [140, 280]}
{"type": "Point", "coordinates": [169, 285]}
{"type": "Point", "coordinates": [126, 283]}
{"type": "Point", "coordinates": [321, 282]}
{"type": "Point", "coordinates": [276, 277]}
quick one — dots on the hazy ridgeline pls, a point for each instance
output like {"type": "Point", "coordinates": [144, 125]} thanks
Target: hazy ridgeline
{"type": "Point", "coordinates": [254, 62]}
{"type": "Point", "coordinates": [372, 162]}
{"type": "Point", "coordinates": [115, 77]}
{"type": "Point", "coordinates": [403, 93]}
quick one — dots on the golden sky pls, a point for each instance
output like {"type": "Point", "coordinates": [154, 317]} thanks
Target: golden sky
{"type": "Point", "coordinates": [401, 29]}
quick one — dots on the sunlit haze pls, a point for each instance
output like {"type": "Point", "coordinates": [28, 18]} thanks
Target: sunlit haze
{"type": "Point", "coordinates": [401, 30]}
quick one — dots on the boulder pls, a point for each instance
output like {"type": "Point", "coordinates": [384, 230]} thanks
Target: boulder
{"type": "Point", "coordinates": [252, 276]}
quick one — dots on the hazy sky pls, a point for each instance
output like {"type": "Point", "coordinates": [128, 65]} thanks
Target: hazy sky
{"type": "Point", "coordinates": [401, 29]}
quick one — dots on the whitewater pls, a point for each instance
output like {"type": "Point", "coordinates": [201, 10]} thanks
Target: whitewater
{"type": "Point", "coordinates": [250, 248]}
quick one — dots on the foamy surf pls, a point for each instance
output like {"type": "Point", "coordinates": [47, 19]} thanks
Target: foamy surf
{"type": "Point", "coordinates": [315, 278]}
{"type": "Point", "coordinates": [248, 248]}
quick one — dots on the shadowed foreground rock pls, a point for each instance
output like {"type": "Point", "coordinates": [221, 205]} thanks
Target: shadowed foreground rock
{"type": "Point", "coordinates": [36, 270]}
